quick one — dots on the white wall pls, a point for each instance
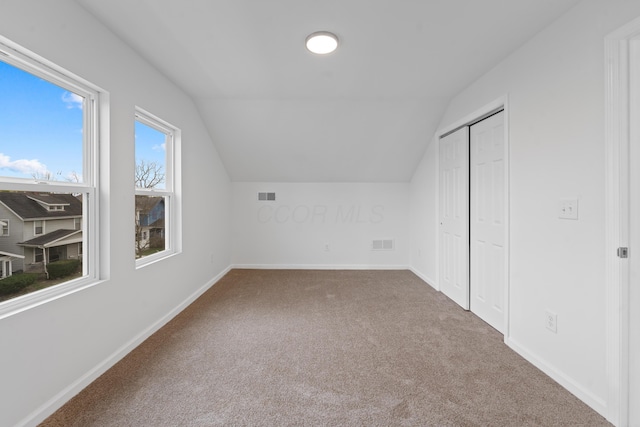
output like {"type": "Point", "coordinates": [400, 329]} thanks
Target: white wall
{"type": "Point", "coordinates": [555, 87]}
{"type": "Point", "coordinates": [294, 230]}
{"type": "Point", "coordinates": [424, 216]}
{"type": "Point", "coordinates": [48, 352]}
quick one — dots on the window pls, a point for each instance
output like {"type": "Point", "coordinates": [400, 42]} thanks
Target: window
{"type": "Point", "coordinates": [38, 255]}
{"type": "Point", "coordinates": [48, 170]}
{"type": "Point", "coordinates": [57, 253]}
{"type": "Point", "coordinates": [4, 227]}
{"type": "Point", "coordinates": [156, 204]}
{"type": "Point", "coordinates": [77, 223]}
{"type": "Point", "coordinates": [38, 227]}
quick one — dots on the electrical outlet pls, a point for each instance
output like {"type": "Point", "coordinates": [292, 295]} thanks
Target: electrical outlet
{"type": "Point", "coordinates": [551, 321]}
{"type": "Point", "coordinates": [568, 209]}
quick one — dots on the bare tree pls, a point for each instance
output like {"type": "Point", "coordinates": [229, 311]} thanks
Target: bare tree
{"type": "Point", "coordinates": [73, 177]}
{"type": "Point", "coordinates": [44, 176]}
{"type": "Point", "coordinates": [148, 174]}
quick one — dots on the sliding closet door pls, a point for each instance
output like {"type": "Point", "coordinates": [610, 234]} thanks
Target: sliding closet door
{"type": "Point", "coordinates": [454, 216]}
{"type": "Point", "coordinates": [487, 220]}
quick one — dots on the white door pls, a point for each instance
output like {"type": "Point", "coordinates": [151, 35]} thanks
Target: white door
{"type": "Point", "coordinates": [622, 119]}
{"type": "Point", "coordinates": [634, 290]}
{"type": "Point", "coordinates": [454, 216]}
{"type": "Point", "coordinates": [487, 220]}
{"type": "Point", "coordinates": [634, 235]}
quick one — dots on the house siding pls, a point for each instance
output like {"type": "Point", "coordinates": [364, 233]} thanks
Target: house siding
{"type": "Point", "coordinates": [72, 251]}
{"type": "Point", "coordinates": [49, 226]}
{"type": "Point", "coordinates": [9, 243]}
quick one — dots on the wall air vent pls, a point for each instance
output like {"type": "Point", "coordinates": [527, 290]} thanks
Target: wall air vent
{"type": "Point", "coordinates": [382, 245]}
{"type": "Point", "coordinates": [271, 197]}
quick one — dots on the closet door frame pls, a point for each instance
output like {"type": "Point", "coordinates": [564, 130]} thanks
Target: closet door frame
{"type": "Point", "coordinates": [622, 136]}
{"type": "Point", "coordinates": [485, 111]}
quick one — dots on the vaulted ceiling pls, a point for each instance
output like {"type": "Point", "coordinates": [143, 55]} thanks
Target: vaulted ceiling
{"type": "Point", "coordinates": [364, 113]}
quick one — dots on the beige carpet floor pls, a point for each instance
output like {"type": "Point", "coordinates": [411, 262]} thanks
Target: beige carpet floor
{"type": "Point", "coordinates": [324, 348]}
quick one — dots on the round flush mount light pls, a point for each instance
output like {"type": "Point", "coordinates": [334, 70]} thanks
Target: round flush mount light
{"type": "Point", "coordinates": [322, 42]}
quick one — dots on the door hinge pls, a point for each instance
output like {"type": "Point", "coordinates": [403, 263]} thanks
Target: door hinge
{"type": "Point", "coordinates": [623, 252]}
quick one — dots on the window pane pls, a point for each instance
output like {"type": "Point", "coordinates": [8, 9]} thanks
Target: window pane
{"type": "Point", "coordinates": [41, 128]}
{"type": "Point", "coordinates": [150, 225]}
{"type": "Point", "coordinates": [154, 186]}
{"type": "Point", "coordinates": [38, 227]}
{"type": "Point", "coordinates": [39, 255]}
{"type": "Point", "coordinates": [150, 157]}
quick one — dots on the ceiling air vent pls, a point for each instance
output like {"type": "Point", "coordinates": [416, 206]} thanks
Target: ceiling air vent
{"type": "Point", "coordinates": [267, 196]}
{"type": "Point", "coordinates": [382, 245]}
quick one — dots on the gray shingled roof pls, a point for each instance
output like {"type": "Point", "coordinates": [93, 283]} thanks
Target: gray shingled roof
{"type": "Point", "coordinates": [48, 238]}
{"type": "Point", "coordinates": [49, 199]}
{"type": "Point", "coordinates": [27, 208]}
{"type": "Point", "coordinates": [159, 223]}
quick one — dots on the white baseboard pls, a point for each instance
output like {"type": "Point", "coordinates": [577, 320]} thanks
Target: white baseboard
{"type": "Point", "coordinates": [596, 403]}
{"type": "Point", "coordinates": [319, 267]}
{"type": "Point", "coordinates": [76, 387]}
{"type": "Point", "coordinates": [425, 278]}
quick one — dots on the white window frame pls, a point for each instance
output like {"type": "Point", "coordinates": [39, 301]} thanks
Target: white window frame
{"type": "Point", "coordinates": [35, 233]}
{"type": "Point", "coordinates": [171, 190]}
{"type": "Point", "coordinates": [94, 101]}
{"type": "Point", "coordinates": [2, 227]}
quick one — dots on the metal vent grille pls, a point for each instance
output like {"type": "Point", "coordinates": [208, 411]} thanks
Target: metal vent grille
{"type": "Point", "coordinates": [267, 196]}
{"type": "Point", "coordinates": [382, 245]}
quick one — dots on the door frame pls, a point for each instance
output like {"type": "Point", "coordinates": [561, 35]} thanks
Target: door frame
{"type": "Point", "coordinates": [618, 99]}
{"type": "Point", "coordinates": [492, 107]}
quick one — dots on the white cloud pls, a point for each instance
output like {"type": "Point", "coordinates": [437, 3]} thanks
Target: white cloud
{"type": "Point", "coordinates": [28, 167]}
{"type": "Point", "coordinates": [161, 147]}
{"type": "Point", "coordinates": [72, 100]}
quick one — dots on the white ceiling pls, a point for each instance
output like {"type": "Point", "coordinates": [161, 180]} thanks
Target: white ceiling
{"type": "Point", "coordinates": [362, 114]}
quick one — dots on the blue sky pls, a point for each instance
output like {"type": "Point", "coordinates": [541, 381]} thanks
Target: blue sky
{"type": "Point", "coordinates": [150, 146]}
{"type": "Point", "coordinates": [41, 129]}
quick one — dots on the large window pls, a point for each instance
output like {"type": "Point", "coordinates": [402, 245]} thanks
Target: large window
{"type": "Point", "coordinates": [48, 175]}
{"type": "Point", "coordinates": [157, 208]}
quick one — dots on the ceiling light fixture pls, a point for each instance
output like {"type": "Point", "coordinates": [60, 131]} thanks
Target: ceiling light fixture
{"type": "Point", "coordinates": [322, 42]}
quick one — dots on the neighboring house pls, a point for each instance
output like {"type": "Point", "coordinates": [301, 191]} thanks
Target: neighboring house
{"type": "Point", "coordinates": [36, 229]}
{"type": "Point", "coordinates": [6, 263]}
{"type": "Point", "coordinates": [7, 258]}
{"type": "Point", "coordinates": [149, 222]}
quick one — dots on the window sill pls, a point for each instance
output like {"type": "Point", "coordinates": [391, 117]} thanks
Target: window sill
{"type": "Point", "coordinates": [26, 302]}
{"type": "Point", "coordinates": [157, 257]}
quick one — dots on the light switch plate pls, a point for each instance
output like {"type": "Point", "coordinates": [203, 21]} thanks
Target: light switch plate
{"type": "Point", "coordinates": [568, 208]}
